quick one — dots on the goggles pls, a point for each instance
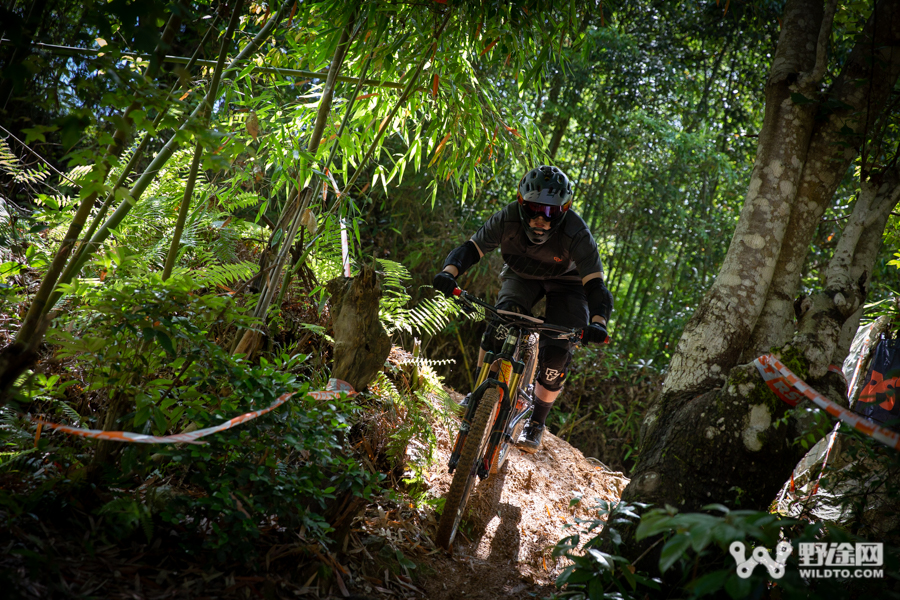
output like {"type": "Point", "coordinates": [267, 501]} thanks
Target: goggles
{"type": "Point", "coordinates": [534, 210]}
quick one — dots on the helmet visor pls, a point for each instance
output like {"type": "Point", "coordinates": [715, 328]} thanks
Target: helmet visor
{"type": "Point", "coordinates": [534, 210]}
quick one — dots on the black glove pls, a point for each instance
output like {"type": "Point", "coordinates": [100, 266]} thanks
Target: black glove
{"type": "Point", "coordinates": [595, 333]}
{"type": "Point", "coordinates": [445, 283]}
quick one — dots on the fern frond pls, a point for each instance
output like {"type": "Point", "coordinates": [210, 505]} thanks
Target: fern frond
{"type": "Point", "coordinates": [225, 275]}
{"type": "Point", "coordinates": [79, 171]}
{"type": "Point", "coordinates": [12, 166]}
{"type": "Point", "coordinates": [325, 258]}
{"type": "Point", "coordinates": [430, 316]}
{"type": "Point", "coordinates": [226, 241]}
{"type": "Point", "coordinates": [30, 459]}
{"type": "Point", "coordinates": [239, 200]}
{"type": "Point", "coordinates": [385, 387]}
{"type": "Point", "coordinates": [63, 407]}
{"type": "Point", "coordinates": [14, 429]}
{"type": "Point", "coordinates": [427, 362]}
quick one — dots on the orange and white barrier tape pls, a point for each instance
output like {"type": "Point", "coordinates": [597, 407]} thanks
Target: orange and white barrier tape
{"type": "Point", "coordinates": [333, 389]}
{"type": "Point", "coordinates": [791, 390]}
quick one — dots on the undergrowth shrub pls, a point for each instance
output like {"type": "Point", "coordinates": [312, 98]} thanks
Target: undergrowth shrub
{"type": "Point", "coordinates": [695, 560]}
{"type": "Point", "coordinates": [399, 423]}
{"type": "Point", "coordinates": [154, 348]}
{"type": "Point", "coordinates": [281, 471]}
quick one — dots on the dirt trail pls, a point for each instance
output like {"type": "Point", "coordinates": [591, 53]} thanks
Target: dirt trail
{"type": "Point", "coordinates": [513, 521]}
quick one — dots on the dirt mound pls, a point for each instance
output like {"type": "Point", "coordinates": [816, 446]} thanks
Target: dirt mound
{"type": "Point", "coordinates": [514, 519]}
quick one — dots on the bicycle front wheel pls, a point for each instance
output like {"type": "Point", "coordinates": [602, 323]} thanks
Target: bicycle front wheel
{"type": "Point", "coordinates": [467, 468]}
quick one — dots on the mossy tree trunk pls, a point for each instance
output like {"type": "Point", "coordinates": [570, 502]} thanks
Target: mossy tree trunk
{"type": "Point", "coordinates": [711, 435]}
{"type": "Point", "coordinates": [360, 343]}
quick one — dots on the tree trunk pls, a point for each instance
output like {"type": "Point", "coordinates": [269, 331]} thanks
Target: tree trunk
{"type": "Point", "coordinates": [360, 342]}
{"type": "Point", "coordinates": [711, 435]}
{"type": "Point", "coordinates": [559, 130]}
{"type": "Point", "coordinates": [713, 339]}
{"type": "Point", "coordinates": [832, 148]}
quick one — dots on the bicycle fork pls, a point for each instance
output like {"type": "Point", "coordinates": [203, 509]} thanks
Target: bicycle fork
{"type": "Point", "coordinates": [508, 380]}
{"type": "Point", "coordinates": [498, 433]}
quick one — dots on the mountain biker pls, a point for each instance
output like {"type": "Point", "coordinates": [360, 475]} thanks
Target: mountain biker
{"type": "Point", "coordinates": [548, 251]}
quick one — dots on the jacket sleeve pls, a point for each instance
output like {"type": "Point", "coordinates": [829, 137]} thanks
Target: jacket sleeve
{"type": "Point", "coordinates": [463, 257]}
{"type": "Point", "coordinates": [490, 234]}
{"type": "Point", "coordinates": [600, 300]}
{"type": "Point", "coordinates": [585, 255]}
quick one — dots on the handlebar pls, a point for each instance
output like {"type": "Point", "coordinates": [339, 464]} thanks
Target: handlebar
{"type": "Point", "coordinates": [519, 320]}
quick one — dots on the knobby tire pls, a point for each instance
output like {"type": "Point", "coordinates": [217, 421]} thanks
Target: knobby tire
{"type": "Point", "coordinates": [465, 476]}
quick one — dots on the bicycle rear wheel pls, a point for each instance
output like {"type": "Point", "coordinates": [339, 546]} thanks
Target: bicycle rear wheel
{"type": "Point", "coordinates": [467, 468]}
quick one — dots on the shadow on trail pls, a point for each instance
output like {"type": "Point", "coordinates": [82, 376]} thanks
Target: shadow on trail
{"type": "Point", "coordinates": [488, 516]}
{"type": "Point", "coordinates": [483, 506]}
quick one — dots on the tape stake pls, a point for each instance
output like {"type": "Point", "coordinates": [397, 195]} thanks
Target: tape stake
{"type": "Point", "coordinates": [333, 389]}
{"type": "Point", "coordinates": [791, 389]}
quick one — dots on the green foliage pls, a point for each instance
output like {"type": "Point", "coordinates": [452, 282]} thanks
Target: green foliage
{"type": "Point", "coordinates": [695, 558]}
{"type": "Point", "coordinates": [652, 110]}
{"type": "Point", "coordinates": [282, 471]}
{"type": "Point", "coordinates": [154, 342]}
{"type": "Point", "coordinates": [414, 404]}
{"type": "Point", "coordinates": [125, 514]}
{"type": "Point", "coordinates": [427, 317]}
{"type": "Point", "coordinates": [11, 166]}
{"type": "Point", "coordinates": [130, 331]}
{"type": "Point", "coordinates": [595, 574]}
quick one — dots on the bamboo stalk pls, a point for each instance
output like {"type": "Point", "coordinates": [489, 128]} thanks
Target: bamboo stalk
{"type": "Point", "coordinates": [166, 152]}
{"type": "Point", "coordinates": [304, 198]}
{"type": "Point", "coordinates": [40, 303]}
{"type": "Point", "coordinates": [249, 338]}
{"type": "Point", "coordinates": [347, 111]}
{"type": "Point", "coordinates": [211, 95]}
{"type": "Point", "coordinates": [183, 210]}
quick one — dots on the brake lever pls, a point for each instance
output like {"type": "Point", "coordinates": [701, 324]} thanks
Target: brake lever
{"type": "Point", "coordinates": [463, 302]}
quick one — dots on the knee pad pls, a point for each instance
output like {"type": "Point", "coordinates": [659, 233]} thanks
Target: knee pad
{"type": "Point", "coordinates": [495, 334]}
{"type": "Point", "coordinates": [553, 364]}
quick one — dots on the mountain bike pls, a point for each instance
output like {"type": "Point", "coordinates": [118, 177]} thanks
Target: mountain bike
{"type": "Point", "coordinates": [498, 407]}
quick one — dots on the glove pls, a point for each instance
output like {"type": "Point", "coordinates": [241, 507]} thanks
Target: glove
{"type": "Point", "coordinates": [595, 333]}
{"type": "Point", "coordinates": [445, 283]}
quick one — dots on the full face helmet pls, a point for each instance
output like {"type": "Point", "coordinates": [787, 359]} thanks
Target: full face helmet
{"type": "Point", "coordinates": [546, 192]}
